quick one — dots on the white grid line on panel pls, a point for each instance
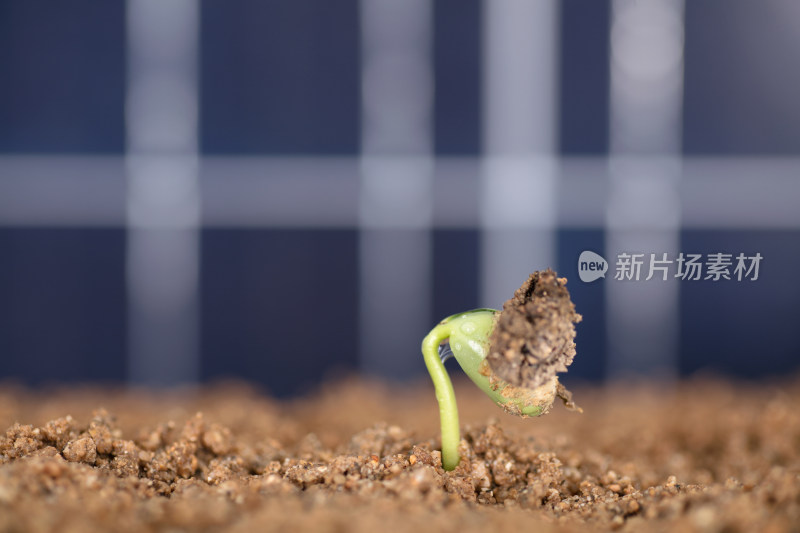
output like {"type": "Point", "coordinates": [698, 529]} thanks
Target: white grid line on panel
{"type": "Point", "coordinates": [273, 192]}
{"type": "Point", "coordinates": [163, 208]}
{"type": "Point", "coordinates": [395, 185]}
{"type": "Point", "coordinates": [644, 202]}
{"type": "Point", "coordinates": [518, 179]}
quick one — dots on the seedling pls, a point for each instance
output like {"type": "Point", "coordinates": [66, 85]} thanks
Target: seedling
{"type": "Point", "coordinates": [512, 355]}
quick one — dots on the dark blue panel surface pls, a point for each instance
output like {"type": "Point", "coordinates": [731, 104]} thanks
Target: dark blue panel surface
{"type": "Point", "coordinates": [62, 71]}
{"type": "Point", "coordinates": [278, 306]}
{"type": "Point", "coordinates": [584, 77]}
{"type": "Point", "coordinates": [743, 328]}
{"type": "Point", "coordinates": [62, 305]}
{"type": "Point", "coordinates": [589, 301]}
{"type": "Point", "coordinates": [280, 77]}
{"type": "Point", "coordinates": [741, 78]}
{"type": "Point", "coordinates": [455, 272]}
{"type": "Point", "coordinates": [457, 64]}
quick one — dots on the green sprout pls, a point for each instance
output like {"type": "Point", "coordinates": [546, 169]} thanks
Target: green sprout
{"type": "Point", "coordinates": [512, 355]}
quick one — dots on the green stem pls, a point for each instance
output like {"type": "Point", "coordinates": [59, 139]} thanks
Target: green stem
{"type": "Point", "coordinates": [445, 395]}
{"type": "Point", "coordinates": [468, 334]}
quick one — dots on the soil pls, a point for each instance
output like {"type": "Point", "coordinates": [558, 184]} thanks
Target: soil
{"type": "Point", "coordinates": [703, 455]}
{"type": "Point", "coordinates": [534, 337]}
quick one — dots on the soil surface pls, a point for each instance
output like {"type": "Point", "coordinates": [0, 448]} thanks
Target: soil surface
{"type": "Point", "coordinates": [703, 455]}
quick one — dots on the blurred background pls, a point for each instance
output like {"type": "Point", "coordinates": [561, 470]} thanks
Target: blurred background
{"type": "Point", "coordinates": [289, 191]}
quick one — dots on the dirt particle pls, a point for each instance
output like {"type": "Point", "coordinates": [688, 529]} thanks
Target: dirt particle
{"type": "Point", "coordinates": [305, 474]}
{"type": "Point", "coordinates": [218, 439]}
{"type": "Point", "coordinates": [59, 431]}
{"type": "Point", "coordinates": [81, 451]}
{"type": "Point", "coordinates": [631, 507]}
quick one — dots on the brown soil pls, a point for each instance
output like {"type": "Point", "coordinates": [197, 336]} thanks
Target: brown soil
{"type": "Point", "coordinates": [700, 456]}
{"type": "Point", "coordinates": [534, 337]}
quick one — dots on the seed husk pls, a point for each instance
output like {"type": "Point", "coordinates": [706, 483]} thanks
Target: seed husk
{"type": "Point", "coordinates": [534, 337]}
